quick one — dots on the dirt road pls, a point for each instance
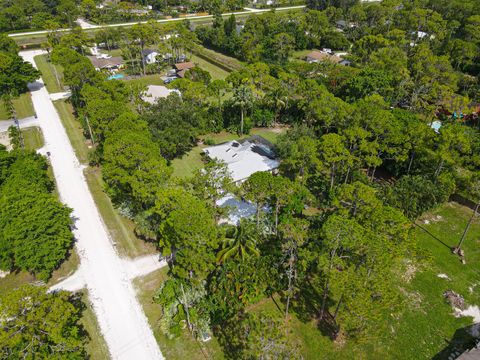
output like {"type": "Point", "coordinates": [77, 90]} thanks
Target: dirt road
{"type": "Point", "coordinates": [120, 316]}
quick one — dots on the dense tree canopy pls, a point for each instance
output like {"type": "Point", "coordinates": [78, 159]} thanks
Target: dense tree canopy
{"type": "Point", "coordinates": [39, 324]}
{"type": "Point", "coordinates": [35, 233]}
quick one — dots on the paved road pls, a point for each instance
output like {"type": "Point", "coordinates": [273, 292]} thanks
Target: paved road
{"type": "Point", "coordinates": [120, 316]}
{"type": "Point", "coordinates": [24, 123]}
{"type": "Point", "coordinates": [248, 11]}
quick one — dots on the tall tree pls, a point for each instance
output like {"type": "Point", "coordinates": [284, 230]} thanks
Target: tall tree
{"type": "Point", "coordinates": [243, 98]}
{"type": "Point", "coordinates": [40, 324]}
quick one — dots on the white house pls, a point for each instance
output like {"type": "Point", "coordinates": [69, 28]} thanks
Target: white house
{"type": "Point", "coordinates": [245, 157]}
{"type": "Point", "coordinates": [155, 92]}
{"type": "Point", "coordinates": [149, 56]}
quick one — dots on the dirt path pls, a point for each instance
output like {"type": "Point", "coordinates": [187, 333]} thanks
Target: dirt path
{"type": "Point", "coordinates": [120, 316]}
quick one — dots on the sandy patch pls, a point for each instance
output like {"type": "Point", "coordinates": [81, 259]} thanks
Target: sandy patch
{"type": "Point", "coordinates": [443, 276]}
{"type": "Point", "coordinates": [409, 273]}
{"type": "Point", "coordinates": [433, 219]}
{"type": "Point", "coordinates": [3, 273]}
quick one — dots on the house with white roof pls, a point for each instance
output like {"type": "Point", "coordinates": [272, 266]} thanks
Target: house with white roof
{"type": "Point", "coordinates": [155, 92]}
{"type": "Point", "coordinates": [245, 157]}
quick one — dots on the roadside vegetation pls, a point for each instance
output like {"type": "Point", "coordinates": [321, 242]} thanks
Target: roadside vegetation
{"type": "Point", "coordinates": [358, 152]}
{"type": "Point", "coordinates": [355, 249]}
{"type": "Point", "coordinates": [23, 108]}
{"type": "Point", "coordinates": [52, 75]}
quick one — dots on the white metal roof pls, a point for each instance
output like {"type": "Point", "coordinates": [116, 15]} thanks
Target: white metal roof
{"type": "Point", "coordinates": [241, 160]}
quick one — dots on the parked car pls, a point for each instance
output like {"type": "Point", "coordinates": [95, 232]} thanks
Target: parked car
{"type": "Point", "coordinates": [169, 79]}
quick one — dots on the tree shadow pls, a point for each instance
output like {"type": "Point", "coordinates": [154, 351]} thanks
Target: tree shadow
{"type": "Point", "coordinates": [34, 86]}
{"type": "Point", "coordinates": [307, 306]}
{"type": "Point", "coordinates": [461, 341]}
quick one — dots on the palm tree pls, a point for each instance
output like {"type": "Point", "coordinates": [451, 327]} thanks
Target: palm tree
{"type": "Point", "coordinates": [242, 243]}
{"type": "Point", "coordinates": [242, 97]}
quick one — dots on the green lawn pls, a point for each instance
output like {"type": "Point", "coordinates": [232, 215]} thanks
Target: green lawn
{"type": "Point", "coordinates": [23, 106]}
{"type": "Point", "coordinates": [182, 348]}
{"type": "Point", "coordinates": [427, 324]}
{"type": "Point", "coordinates": [215, 71]}
{"type": "Point", "coordinates": [300, 54]}
{"type": "Point", "coordinates": [146, 80]}
{"type": "Point", "coordinates": [190, 162]}
{"type": "Point", "coordinates": [53, 83]}
{"type": "Point", "coordinates": [33, 138]}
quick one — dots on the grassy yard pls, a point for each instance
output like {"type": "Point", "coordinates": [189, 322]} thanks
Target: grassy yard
{"type": "Point", "coordinates": [23, 106]}
{"type": "Point", "coordinates": [427, 325]}
{"type": "Point", "coordinates": [214, 70]}
{"type": "Point", "coordinates": [186, 165]}
{"type": "Point", "coordinates": [184, 347]}
{"type": "Point", "coordinates": [300, 54]}
{"type": "Point", "coordinates": [154, 79]}
{"type": "Point", "coordinates": [53, 83]}
{"type": "Point", "coordinates": [33, 138]}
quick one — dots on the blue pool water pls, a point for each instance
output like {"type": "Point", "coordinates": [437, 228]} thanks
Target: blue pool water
{"type": "Point", "coordinates": [116, 76]}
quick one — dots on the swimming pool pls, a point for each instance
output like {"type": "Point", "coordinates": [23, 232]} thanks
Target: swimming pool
{"type": "Point", "coordinates": [116, 77]}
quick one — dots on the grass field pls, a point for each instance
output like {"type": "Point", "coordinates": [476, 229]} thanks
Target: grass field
{"type": "Point", "coordinates": [154, 79]}
{"type": "Point", "coordinates": [33, 138]}
{"type": "Point", "coordinates": [53, 83]}
{"type": "Point", "coordinates": [215, 71]}
{"type": "Point", "coordinates": [182, 348]}
{"type": "Point", "coordinates": [190, 162]}
{"type": "Point", "coordinates": [427, 325]}
{"type": "Point", "coordinates": [23, 106]}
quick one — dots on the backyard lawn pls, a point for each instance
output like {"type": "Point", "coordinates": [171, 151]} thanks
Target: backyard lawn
{"type": "Point", "coordinates": [23, 107]}
{"type": "Point", "coordinates": [427, 325]}
{"type": "Point", "coordinates": [53, 82]}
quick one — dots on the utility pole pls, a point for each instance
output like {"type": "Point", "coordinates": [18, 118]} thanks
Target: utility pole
{"type": "Point", "coordinates": [457, 249]}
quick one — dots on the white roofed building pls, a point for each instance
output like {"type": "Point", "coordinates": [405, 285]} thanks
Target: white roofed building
{"type": "Point", "coordinates": [245, 157]}
{"type": "Point", "coordinates": [155, 92]}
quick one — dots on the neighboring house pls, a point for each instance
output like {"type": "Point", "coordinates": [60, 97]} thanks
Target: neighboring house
{"type": "Point", "coordinates": [149, 56]}
{"type": "Point", "coordinates": [245, 157]}
{"type": "Point", "coordinates": [155, 92]}
{"type": "Point", "coordinates": [113, 63]}
{"type": "Point", "coordinates": [181, 68]}
{"type": "Point", "coordinates": [320, 56]}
